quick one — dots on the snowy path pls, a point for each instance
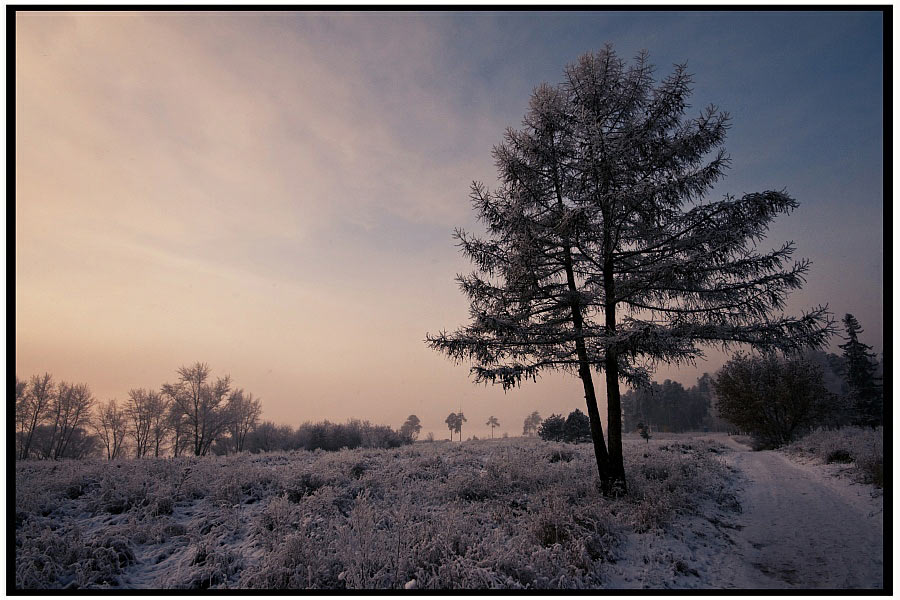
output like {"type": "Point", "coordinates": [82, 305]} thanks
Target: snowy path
{"type": "Point", "coordinates": [802, 528]}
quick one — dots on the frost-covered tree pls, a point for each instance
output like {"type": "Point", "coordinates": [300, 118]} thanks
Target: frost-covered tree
{"type": "Point", "coordinates": [198, 405]}
{"type": "Point", "coordinates": [243, 411]}
{"type": "Point", "coordinates": [138, 410]}
{"type": "Point", "coordinates": [70, 411]}
{"type": "Point", "coordinates": [33, 409]}
{"type": "Point", "coordinates": [21, 390]}
{"type": "Point", "coordinates": [865, 392]}
{"type": "Point", "coordinates": [492, 422]}
{"type": "Point", "coordinates": [531, 424]}
{"type": "Point", "coordinates": [158, 411]}
{"type": "Point", "coordinates": [601, 253]}
{"type": "Point", "coordinates": [111, 425]}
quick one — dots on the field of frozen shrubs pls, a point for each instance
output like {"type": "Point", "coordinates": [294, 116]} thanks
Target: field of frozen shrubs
{"type": "Point", "coordinates": [861, 448]}
{"type": "Point", "coordinates": [517, 513]}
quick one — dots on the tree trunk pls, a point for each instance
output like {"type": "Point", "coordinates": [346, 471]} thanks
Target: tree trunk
{"type": "Point", "coordinates": [584, 372]}
{"type": "Point", "coordinates": [584, 367]}
{"type": "Point", "coordinates": [590, 397]}
{"type": "Point", "coordinates": [613, 398]}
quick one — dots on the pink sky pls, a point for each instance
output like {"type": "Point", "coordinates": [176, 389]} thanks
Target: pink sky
{"type": "Point", "coordinates": [274, 196]}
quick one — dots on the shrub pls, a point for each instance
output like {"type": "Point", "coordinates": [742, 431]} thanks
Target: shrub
{"type": "Point", "coordinates": [553, 428]}
{"type": "Point", "coordinates": [860, 446]}
{"type": "Point", "coordinates": [775, 399]}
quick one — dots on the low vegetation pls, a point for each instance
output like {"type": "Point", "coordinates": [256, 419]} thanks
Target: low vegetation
{"type": "Point", "coordinates": [522, 513]}
{"type": "Point", "coordinates": [861, 447]}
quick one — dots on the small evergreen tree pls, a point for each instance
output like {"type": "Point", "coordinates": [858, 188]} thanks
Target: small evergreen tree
{"type": "Point", "coordinates": [644, 431]}
{"type": "Point", "coordinates": [866, 395]}
{"type": "Point", "coordinates": [553, 428]}
{"type": "Point", "coordinates": [578, 427]}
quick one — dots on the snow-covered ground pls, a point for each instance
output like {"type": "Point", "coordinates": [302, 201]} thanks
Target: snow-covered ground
{"type": "Point", "coordinates": [801, 525]}
{"type": "Point", "coordinates": [701, 513]}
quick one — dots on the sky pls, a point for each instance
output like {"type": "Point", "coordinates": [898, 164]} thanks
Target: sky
{"type": "Point", "coordinates": [275, 193]}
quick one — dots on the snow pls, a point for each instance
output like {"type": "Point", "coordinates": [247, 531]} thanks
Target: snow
{"type": "Point", "coordinates": [801, 525]}
{"type": "Point", "coordinates": [701, 513]}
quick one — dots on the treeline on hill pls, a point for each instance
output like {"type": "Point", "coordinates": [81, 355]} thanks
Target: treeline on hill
{"type": "Point", "coordinates": [196, 415]}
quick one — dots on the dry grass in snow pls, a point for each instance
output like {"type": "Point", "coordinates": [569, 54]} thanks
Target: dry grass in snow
{"type": "Point", "coordinates": [860, 447]}
{"type": "Point", "coordinates": [516, 513]}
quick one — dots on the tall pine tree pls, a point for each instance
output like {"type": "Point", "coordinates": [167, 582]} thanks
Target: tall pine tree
{"type": "Point", "coordinates": [866, 397]}
{"type": "Point", "coordinates": [601, 255]}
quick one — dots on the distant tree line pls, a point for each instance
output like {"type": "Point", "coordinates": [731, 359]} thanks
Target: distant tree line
{"type": "Point", "coordinates": [325, 435]}
{"type": "Point", "coordinates": [669, 406]}
{"type": "Point", "coordinates": [195, 415]}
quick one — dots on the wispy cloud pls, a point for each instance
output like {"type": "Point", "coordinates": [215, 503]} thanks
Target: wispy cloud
{"type": "Point", "coordinates": [274, 192]}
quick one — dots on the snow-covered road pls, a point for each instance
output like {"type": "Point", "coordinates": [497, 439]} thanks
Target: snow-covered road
{"type": "Point", "coordinates": [801, 527]}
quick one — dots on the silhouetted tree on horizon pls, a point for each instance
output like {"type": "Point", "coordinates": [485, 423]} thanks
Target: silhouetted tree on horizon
{"type": "Point", "coordinates": [492, 422]}
{"type": "Point", "coordinates": [411, 427]}
{"type": "Point", "coordinates": [243, 411]}
{"type": "Point", "coordinates": [112, 426]}
{"type": "Point", "coordinates": [33, 407]}
{"type": "Point", "coordinates": [453, 423]}
{"type": "Point", "coordinates": [601, 254]}
{"type": "Point", "coordinates": [200, 405]}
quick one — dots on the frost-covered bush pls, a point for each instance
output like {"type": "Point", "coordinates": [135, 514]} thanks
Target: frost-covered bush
{"type": "Point", "coordinates": [518, 514]}
{"type": "Point", "coordinates": [775, 399]}
{"type": "Point", "coordinates": [861, 446]}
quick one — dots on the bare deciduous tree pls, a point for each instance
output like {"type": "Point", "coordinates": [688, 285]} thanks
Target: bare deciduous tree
{"type": "Point", "coordinates": [141, 409]}
{"type": "Point", "coordinates": [111, 426]}
{"type": "Point", "coordinates": [158, 407]}
{"type": "Point", "coordinates": [70, 409]}
{"type": "Point", "coordinates": [34, 408]}
{"type": "Point", "coordinates": [243, 415]}
{"type": "Point", "coordinates": [199, 406]}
